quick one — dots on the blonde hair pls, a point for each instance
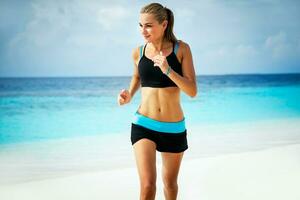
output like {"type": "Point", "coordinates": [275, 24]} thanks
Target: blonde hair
{"type": "Point", "coordinates": [160, 14]}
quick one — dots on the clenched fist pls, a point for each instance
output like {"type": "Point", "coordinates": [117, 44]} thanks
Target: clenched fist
{"type": "Point", "coordinates": [124, 97]}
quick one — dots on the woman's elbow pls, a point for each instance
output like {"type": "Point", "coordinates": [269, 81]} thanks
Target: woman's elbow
{"type": "Point", "coordinates": [193, 92]}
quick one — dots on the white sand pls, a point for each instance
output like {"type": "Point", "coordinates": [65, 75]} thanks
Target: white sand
{"type": "Point", "coordinates": [271, 174]}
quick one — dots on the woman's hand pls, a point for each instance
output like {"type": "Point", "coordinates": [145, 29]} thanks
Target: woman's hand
{"type": "Point", "coordinates": [161, 62]}
{"type": "Point", "coordinates": [124, 97]}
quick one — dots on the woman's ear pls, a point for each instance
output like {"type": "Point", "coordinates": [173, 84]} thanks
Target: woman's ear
{"type": "Point", "coordinates": [165, 24]}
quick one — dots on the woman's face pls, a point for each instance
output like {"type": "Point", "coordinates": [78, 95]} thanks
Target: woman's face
{"type": "Point", "coordinates": [150, 28]}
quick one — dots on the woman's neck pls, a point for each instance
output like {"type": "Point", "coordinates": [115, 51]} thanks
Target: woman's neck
{"type": "Point", "coordinates": [159, 45]}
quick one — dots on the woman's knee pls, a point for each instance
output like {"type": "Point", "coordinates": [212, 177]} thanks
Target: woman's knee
{"type": "Point", "coordinates": [170, 184]}
{"type": "Point", "coordinates": [148, 186]}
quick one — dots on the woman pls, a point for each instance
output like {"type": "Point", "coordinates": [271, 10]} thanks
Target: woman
{"type": "Point", "coordinates": [162, 67]}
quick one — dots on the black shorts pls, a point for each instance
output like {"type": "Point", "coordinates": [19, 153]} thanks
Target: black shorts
{"type": "Point", "coordinates": [165, 142]}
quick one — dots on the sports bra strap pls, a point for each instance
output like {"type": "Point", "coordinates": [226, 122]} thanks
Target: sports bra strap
{"type": "Point", "coordinates": [176, 47]}
{"type": "Point", "coordinates": [141, 52]}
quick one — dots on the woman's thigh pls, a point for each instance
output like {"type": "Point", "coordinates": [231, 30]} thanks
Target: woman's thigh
{"type": "Point", "coordinates": [145, 156]}
{"type": "Point", "coordinates": [170, 166]}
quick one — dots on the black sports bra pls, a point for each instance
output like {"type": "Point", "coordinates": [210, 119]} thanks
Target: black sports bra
{"type": "Point", "coordinates": [151, 76]}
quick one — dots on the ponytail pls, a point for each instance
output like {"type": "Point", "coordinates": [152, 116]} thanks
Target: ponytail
{"type": "Point", "coordinates": [169, 35]}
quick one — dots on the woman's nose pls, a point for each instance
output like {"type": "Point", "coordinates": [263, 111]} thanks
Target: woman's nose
{"type": "Point", "coordinates": [143, 30]}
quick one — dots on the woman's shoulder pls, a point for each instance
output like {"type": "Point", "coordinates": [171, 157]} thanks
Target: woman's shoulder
{"type": "Point", "coordinates": [183, 47]}
{"type": "Point", "coordinates": [136, 52]}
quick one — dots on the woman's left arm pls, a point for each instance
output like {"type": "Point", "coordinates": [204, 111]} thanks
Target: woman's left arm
{"type": "Point", "coordinates": [187, 83]}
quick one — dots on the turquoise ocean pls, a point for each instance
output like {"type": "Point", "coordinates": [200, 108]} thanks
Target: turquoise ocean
{"type": "Point", "coordinates": [35, 109]}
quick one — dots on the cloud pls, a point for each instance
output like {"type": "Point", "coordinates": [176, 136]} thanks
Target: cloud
{"type": "Point", "coordinates": [274, 54]}
{"type": "Point", "coordinates": [281, 47]}
{"type": "Point", "coordinates": [64, 35]}
{"type": "Point", "coordinates": [47, 25]}
{"type": "Point", "coordinates": [64, 22]}
{"type": "Point", "coordinates": [229, 59]}
{"type": "Point", "coordinates": [111, 17]}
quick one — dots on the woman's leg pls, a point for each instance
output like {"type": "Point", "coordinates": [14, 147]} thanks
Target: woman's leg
{"type": "Point", "coordinates": [145, 156]}
{"type": "Point", "coordinates": [170, 169]}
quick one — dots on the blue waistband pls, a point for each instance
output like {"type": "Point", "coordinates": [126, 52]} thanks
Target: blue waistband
{"type": "Point", "coordinates": [167, 127]}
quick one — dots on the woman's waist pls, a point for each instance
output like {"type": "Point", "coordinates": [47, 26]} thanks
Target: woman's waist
{"type": "Point", "coordinates": [162, 112]}
{"type": "Point", "coordinates": [160, 126]}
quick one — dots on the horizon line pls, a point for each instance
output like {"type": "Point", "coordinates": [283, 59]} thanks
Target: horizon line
{"type": "Point", "coordinates": [110, 76]}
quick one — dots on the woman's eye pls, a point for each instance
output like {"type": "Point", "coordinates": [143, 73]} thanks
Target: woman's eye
{"type": "Point", "coordinates": [146, 26]}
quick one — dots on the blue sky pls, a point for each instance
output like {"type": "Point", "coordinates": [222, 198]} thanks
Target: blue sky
{"type": "Point", "coordinates": [96, 38]}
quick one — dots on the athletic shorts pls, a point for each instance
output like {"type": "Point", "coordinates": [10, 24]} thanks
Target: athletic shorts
{"type": "Point", "coordinates": [168, 136]}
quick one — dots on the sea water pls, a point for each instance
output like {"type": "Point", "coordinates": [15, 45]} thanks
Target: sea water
{"type": "Point", "coordinates": [34, 109]}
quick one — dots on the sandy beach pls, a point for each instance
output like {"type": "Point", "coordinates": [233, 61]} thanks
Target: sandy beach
{"type": "Point", "coordinates": [253, 160]}
{"type": "Point", "coordinates": [266, 174]}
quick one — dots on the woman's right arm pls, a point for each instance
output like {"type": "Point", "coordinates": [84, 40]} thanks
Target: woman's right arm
{"type": "Point", "coordinates": [135, 80]}
{"type": "Point", "coordinates": [126, 95]}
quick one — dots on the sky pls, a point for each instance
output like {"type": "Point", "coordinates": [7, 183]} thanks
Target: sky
{"type": "Point", "coordinates": [49, 38]}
